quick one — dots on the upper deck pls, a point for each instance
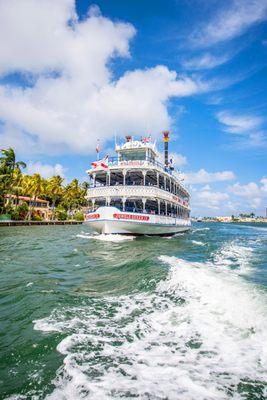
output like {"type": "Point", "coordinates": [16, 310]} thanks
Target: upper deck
{"type": "Point", "coordinates": [133, 157]}
{"type": "Point", "coordinates": [135, 180]}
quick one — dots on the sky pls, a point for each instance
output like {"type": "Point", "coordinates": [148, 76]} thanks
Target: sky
{"type": "Point", "coordinates": [72, 73]}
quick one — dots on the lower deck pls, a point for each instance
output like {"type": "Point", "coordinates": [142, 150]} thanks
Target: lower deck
{"type": "Point", "coordinates": [110, 220]}
{"type": "Point", "coordinates": [142, 205]}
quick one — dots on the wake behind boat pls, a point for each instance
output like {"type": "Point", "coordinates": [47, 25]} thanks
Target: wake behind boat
{"type": "Point", "coordinates": [133, 193]}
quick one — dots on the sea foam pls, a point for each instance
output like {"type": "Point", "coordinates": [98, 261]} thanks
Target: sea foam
{"type": "Point", "coordinates": [200, 335]}
{"type": "Point", "coordinates": [107, 238]}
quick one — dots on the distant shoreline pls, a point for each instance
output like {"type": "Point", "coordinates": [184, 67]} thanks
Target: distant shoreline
{"type": "Point", "coordinates": [256, 221]}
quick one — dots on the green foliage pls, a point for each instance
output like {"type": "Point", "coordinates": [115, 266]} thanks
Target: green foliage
{"type": "Point", "coordinates": [63, 199]}
{"type": "Point", "coordinates": [9, 168]}
{"type": "Point", "coordinates": [78, 216]}
{"type": "Point", "coordinates": [36, 217]}
{"type": "Point", "coordinates": [61, 214]}
{"type": "Point", "coordinates": [5, 217]}
{"type": "Point", "coordinates": [20, 212]}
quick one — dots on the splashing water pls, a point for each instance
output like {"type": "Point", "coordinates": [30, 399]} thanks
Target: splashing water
{"type": "Point", "coordinates": [198, 243]}
{"type": "Point", "coordinates": [179, 342]}
{"type": "Point", "coordinates": [188, 324]}
{"type": "Point", "coordinates": [107, 238]}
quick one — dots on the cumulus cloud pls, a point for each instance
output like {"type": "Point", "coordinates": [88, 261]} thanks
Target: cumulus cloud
{"type": "Point", "coordinates": [210, 200]}
{"type": "Point", "coordinates": [46, 170]}
{"type": "Point", "coordinates": [178, 160]}
{"type": "Point", "coordinates": [251, 189]}
{"type": "Point", "coordinates": [232, 20]}
{"type": "Point", "coordinates": [202, 176]}
{"type": "Point", "coordinates": [73, 97]}
{"type": "Point", "coordinates": [254, 193]}
{"type": "Point", "coordinates": [229, 200]}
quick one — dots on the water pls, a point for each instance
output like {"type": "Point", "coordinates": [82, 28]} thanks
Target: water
{"type": "Point", "coordinates": [117, 317]}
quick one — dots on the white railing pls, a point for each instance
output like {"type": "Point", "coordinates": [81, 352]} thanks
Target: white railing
{"type": "Point", "coordinates": [134, 191]}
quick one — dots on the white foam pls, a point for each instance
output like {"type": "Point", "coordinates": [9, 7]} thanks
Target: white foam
{"type": "Point", "coordinates": [201, 333]}
{"type": "Point", "coordinates": [198, 243]}
{"type": "Point", "coordinates": [201, 229]}
{"type": "Point", "coordinates": [107, 238]}
{"type": "Point", "coordinates": [234, 256]}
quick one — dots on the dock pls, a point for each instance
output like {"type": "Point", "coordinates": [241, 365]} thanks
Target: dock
{"type": "Point", "coordinates": [30, 223]}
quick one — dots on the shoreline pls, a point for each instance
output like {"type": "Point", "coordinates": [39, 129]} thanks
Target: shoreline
{"type": "Point", "coordinates": [30, 223]}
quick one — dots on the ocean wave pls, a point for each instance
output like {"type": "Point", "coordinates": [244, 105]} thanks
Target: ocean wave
{"type": "Point", "coordinates": [198, 243]}
{"type": "Point", "coordinates": [235, 257]}
{"type": "Point", "coordinates": [200, 335]}
{"type": "Point", "coordinates": [107, 238]}
{"type": "Point", "coordinates": [200, 229]}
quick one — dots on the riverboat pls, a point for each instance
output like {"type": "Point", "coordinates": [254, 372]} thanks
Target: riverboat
{"type": "Point", "coordinates": [133, 193]}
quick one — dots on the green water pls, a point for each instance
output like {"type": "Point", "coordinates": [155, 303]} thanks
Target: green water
{"type": "Point", "coordinates": [89, 317]}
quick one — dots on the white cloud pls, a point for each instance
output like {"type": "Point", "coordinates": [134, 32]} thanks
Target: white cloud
{"type": "Point", "coordinates": [254, 193]}
{"type": "Point", "coordinates": [239, 123]}
{"type": "Point", "coordinates": [45, 170]}
{"type": "Point", "coordinates": [246, 128]}
{"type": "Point", "coordinates": [202, 176]}
{"type": "Point", "coordinates": [74, 98]}
{"type": "Point", "coordinates": [251, 189]}
{"type": "Point", "coordinates": [178, 159]}
{"type": "Point", "coordinates": [205, 201]}
{"type": "Point", "coordinates": [233, 199]}
{"type": "Point", "coordinates": [212, 200]}
{"type": "Point", "coordinates": [232, 20]}
{"type": "Point", "coordinates": [206, 61]}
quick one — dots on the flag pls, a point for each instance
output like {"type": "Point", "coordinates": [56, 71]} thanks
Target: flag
{"type": "Point", "coordinates": [146, 139]}
{"type": "Point", "coordinates": [97, 149]}
{"type": "Point", "coordinates": [101, 164]}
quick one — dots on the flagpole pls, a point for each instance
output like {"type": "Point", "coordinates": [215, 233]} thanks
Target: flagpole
{"type": "Point", "coordinates": [97, 149]}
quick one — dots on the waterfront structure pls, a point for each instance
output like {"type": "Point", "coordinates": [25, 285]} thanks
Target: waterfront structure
{"type": "Point", "coordinates": [38, 206]}
{"type": "Point", "coordinates": [133, 193]}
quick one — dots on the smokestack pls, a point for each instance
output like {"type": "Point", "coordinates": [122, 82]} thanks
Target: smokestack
{"type": "Point", "coordinates": [128, 138]}
{"type": "Point", "coordinates": [166, 147]}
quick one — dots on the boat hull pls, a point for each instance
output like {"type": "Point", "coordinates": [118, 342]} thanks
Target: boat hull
{"type": "Point", "coordinates": [110, 220]}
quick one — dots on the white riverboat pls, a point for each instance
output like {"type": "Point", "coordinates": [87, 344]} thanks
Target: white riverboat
{"type": "Point", "coordinates": [135, 194]}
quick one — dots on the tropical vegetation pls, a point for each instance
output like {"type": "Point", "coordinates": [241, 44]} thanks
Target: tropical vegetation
{"type": "Point", "coordinates": [66, 199]}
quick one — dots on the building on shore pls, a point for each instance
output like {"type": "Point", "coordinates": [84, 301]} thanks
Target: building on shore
{"type": "Point", "coordinates": [39, 206]}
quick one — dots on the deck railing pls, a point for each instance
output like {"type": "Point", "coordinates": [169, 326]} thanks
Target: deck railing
{"type": "Point", "coordinates": [135, 191]}
{"type": "Point", "coordinates": [113, 161]}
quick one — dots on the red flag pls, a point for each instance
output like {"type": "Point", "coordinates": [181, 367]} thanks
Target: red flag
{"type": "Point", "coordinates": [97, 149]}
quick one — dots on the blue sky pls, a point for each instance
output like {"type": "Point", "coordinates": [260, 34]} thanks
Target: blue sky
{"type": "Point", "coordinates": [71, 73]}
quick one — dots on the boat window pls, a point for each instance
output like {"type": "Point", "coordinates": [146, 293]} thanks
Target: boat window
{"type": "Point", "coordinates": [133, 155]}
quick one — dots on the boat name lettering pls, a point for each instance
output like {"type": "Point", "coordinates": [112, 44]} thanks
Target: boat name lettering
{"type": "Point", "coordinates": [92, 216]}
{"type": "Point", "coordinates": [131, 163]}
{"type": "Point", "coordinates": [131, 216]}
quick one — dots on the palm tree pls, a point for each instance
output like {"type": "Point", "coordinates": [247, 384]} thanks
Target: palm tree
{"type": "Point", "coordinates": [8, 169]}
{"type": "Point", "coordinates": [17, 183]}
{"type": "Point", "coordinates": [9, 160]}
{"type": "Point", "coordinates": [73, 196]}
{"type": "Point", "coordinates": [35, 188]}
{"type": "Point", "coordinates": [85, 186]}
{"type": "Point", "coordinates": [54, 190]}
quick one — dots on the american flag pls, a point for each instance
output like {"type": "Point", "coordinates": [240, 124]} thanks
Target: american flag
{"type": "Point", "coordinates": [146, 139]}
{"type": "Point", "coordinates": [101, 164]}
